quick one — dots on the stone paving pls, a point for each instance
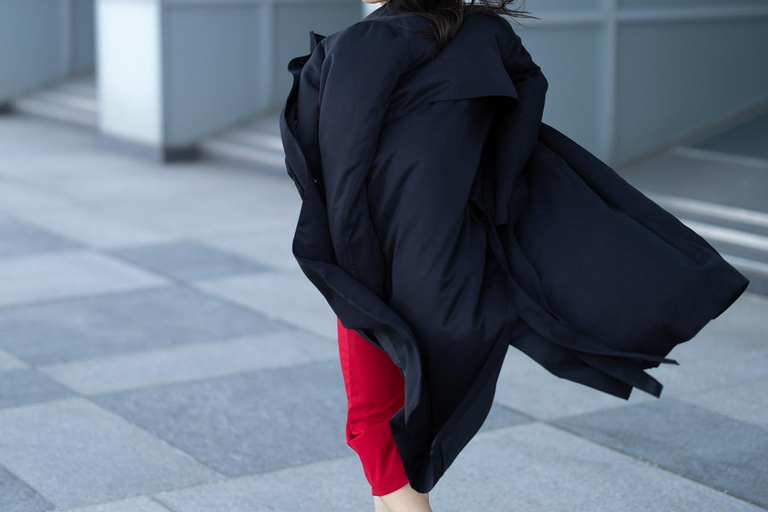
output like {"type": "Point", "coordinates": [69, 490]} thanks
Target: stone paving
{"type": "Point", "coordinates": [160, 350]}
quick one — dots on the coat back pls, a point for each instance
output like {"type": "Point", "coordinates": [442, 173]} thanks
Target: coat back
{"type": "Point", "coordinates": [444, 221]}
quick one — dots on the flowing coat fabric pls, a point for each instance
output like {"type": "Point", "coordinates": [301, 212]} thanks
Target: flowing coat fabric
{"type": "Point", "coordinates": [444, 221]}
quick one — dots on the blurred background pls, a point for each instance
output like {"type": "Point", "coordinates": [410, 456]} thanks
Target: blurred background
{"type": "Point", "coordinates": [160, 349]}
{"type": "Point", "coordinates": [628, 77]}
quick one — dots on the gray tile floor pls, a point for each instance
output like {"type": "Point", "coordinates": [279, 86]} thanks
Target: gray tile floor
{"type": "Point", "coordinates": [152, 360]}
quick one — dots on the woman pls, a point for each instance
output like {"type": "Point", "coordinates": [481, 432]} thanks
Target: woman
{"type": "Point", "coordinates": [443, 221]}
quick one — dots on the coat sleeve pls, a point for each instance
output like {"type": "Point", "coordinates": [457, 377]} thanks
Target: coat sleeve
{"type": "Point", "coordinates": [530, 82]}
{"type": "Point", "coordinates": [522, 123]}
{"type": "Point", "coordinates": [361, 71]}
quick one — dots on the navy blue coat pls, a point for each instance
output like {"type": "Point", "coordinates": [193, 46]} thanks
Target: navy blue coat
{"type": "Point", "coordinates": [444, 221]}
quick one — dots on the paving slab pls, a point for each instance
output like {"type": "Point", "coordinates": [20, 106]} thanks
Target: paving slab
{"type": "Point", "coordinates": [191, 362]}
{"type": "Point", "coordinates": [27, 386]}
{"type": "Point", "coordinates": [22, 136]}
{"type": "Point", "coordinates": [248, 422]}
{"type": "Point", "coordinates": [745, 402]}
{"type": "Point", "coordinates": [269, 244]}
{"type": "Point", "coordinates": [93, 229]}
{"type": "Point", "coordinates": [17, 240]}
{"type": "Point", "coordinates": [48, 210]}
{"type": "Point", "coordinates": [192, 198]}
{"type": "Point", "coordinates": [87, 327]}
{"type": "Point", "coordinates": [188, 199]}
{"type": "Point", "coordinates": [287, 296]}
{"type": "Point", "coordinates": [501, 416]}
{"type": "Point", "coordinates": [337, 485]}
{"type": "Point", "coordinates": [16, 496]}
{"type": "Point", "coordinates": [211, 217]}
{"type": "Point", "coordinates": [538, 467]}
{"type": "Point", "coordinates": [188, 260]}
{"type": "Point", "coordinates": [730, 350]}
{"type": "Point", "coordinates": [689, 440]}
{"type": "Point", "coordinates": [255, 422]}
{"type": "Point", "coordinates": [10, 362]}
{"type": "Point", "coordinates": [532, 467]}
{"type": "Point", "coordinates": [19, 199]}
{"type": "Point", "coordinates": [153, 184]}
{"type": "Point", "coordinates": [526, 386]}
{"type": "Point", "coordinates": [66, 274]}
{"type": "Point", "coordinates": [140, 504]}
{"type": "Point", "coordinates": [80, 162]}
{"type": "Point", "coordinates": [75, 453]}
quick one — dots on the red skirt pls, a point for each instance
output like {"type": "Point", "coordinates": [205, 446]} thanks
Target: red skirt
{"type": "Point", "coordinates": [375, 392]}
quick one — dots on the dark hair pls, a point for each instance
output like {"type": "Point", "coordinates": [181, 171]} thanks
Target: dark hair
{"type": "Point", "coordinates": [446, 16]}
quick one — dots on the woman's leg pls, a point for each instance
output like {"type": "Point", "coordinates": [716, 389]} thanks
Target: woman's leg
{"type": "Point", "coordinates": [375, 392]}
{"type": "Point", "coordinates": [405, 499]}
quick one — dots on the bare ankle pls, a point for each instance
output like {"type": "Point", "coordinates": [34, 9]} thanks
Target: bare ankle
{"type": "Point", "coordinates": [405, 499]}
{"type": "Point", "coordinates": [378, 505]}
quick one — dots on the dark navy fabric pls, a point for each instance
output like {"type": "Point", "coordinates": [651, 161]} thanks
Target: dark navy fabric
{"type": "Point", "coordinates": [444, 221]}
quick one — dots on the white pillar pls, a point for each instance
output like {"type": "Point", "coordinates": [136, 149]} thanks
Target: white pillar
{"type": "Point", "coordinates": [129, 72]}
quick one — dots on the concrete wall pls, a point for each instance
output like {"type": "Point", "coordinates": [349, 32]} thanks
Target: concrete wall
{"type": "Point", "coordinates": [202, 66]}
{"type": "Point", "coordinates": [629, 77]}
{"type": "Point", "coordinates": [83, 57]}
{"type": "Point", "coordinates": [43, 41]}
{"type": "Point", "coordinates": [292, 22]}
{"type": "Point", "coordinates": [216, 60]}
{"type": "Point", "coordinates": [31, 37]}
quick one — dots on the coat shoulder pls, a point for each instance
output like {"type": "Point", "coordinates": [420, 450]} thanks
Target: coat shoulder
{"type": "Point", "coordinates": [369, 47]}
{"type": "Point", "coordinates": [495, 25]}
{"type": "Point", "coordinates": [364, 34]}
